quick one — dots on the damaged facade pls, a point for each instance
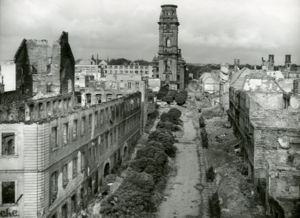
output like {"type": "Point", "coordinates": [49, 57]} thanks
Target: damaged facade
{"type": "Point", "coordinates": [268, 125]}
{"type": "Point", "coordinates": [54, 151]}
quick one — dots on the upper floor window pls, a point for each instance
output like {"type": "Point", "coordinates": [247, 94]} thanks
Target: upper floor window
{"type": "Point", "coordinates": [54, 137]}
{"type": "Point", "coordinates": [54, 186]}
{"type": "Point", "coordinates": [75, 128]}
{"type": "Point", "coordinates": [8, 144]}
{"type": "Point", "coordinates": [66, 133]}
{"type": "Point", "coordinates": [65, 175]}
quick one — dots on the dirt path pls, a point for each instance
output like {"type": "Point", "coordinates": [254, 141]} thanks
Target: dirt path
{"type": "Point", "coordinates": [183, 198]}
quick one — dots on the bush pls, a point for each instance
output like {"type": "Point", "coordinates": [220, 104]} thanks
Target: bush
{"type": "Point", "coordinates": [204, 138]}
{"type": "Point", "coordinates": [162, 92]}
{"type": "Point", "coordinates": [210, 174]}
{"type": "Point", "coordinates": [167, 147]}
{"type": "Point", "coordinates": [133, 197]}
{"type": "Point", "coordinates": [165, 125]}
{"type": "Point", "coordinates": [180, 98]}
{"type": "Point", "coordinates": [201, 122]}
{"type": "Point", "coordinates": [161, 136]}
{"type": "Point", "coordinates": [170, 117]}
{"type": "Point", "coordinates": [172, 93]}
{"type": "Point", "coordinates": [175, 111]}
{"type": "Point", "coordinates": [169, 99]}
{"type": "Point", "coordinates": [214, 206]}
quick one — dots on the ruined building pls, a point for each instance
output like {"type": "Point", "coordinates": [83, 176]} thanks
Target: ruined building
{"type": "Point", "coordinates": [269, 64]}
{"type": "Point", "coordinates": [266, 119]}
{"type": "Point", "coordinates": [169, 66]}
{"type": "Point", "coordinates": [54, 152]}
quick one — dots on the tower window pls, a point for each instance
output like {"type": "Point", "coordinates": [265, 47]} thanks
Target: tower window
{"type": "Point", "coordinates": [168, 42]}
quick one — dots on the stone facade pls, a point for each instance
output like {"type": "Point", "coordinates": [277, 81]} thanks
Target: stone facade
{"type": "Point", "coordinates": [169, 66]}
{"type": "Point", "coordinates": [54, 152]}
{"type": "Point", "coordinates": [269, 133]}
{"type": "Point", "coordinates": [144, 71]}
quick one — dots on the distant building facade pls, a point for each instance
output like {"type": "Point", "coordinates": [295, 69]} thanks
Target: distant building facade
{"type": "Point", "coordinates": [145, 71]}
{"type": "Point", "coordinates": [169, 66]}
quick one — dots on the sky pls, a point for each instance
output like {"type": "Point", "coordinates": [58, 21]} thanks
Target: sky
{"type": "Point", "coordinates": [210, 31]}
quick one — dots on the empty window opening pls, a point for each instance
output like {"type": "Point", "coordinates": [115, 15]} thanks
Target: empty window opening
{"type": "Point", "coordinates": [8, 192]}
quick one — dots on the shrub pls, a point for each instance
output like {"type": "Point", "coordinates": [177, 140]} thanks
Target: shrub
{"type": "Point", "coordinates": [204, 138]}
{"type": "Point", "coordinates": [167, 146]}
{"type": "Point", "coordinates": [180, 99]}
{"type": "Point", "coordinates": [201, 122]}
{"type": "Point", "coordinates": [165, 125]}
{"type": "Point", "coordinates": [214, 206]}
{"type": "Point", "coordinates": [162, 92]}
{"type": "Point", "coordinates": [133, 197]}
{"type": "Point", "coordinates": [172, 93]}
{"type": "Point", "coordinates": [161, 136]}
{"type": "Point", "coordinates": [170, 117]}
{"type": "Point", "coordinates": [169, 99]}
{"type": "Point", "coordinates": [175, 111]}
{"type": "Point", "coordinates": [210, 174]}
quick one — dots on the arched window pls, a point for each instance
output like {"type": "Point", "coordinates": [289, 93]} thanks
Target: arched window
{"type": "Point", "coordinates": [168, 42]}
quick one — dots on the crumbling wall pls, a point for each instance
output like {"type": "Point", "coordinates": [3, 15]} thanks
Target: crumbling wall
{"type": "Point", "coordinates": [277, 160]}
{"type": "Point", "coordinates": [67, 65]}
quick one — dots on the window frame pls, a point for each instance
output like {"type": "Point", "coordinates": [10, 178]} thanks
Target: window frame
{"type": "Point", "coordinates": [16, 144]}
{"type": "Point", "coordinates": [66, 124]}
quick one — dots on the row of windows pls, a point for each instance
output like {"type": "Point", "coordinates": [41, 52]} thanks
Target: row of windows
{"type": "Point", "coordinates": [93, 121]}
{"type": "Point", "coordinates": [99, 147]}
{"type": "Point", "coordinates": [125, 72]}
{"type": "Point", "coordinates": [38, 109]}
{"type": "Point", "coordinates": [125, 67]}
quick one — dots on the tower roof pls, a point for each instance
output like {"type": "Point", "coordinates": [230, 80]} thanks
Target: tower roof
{"type": "Point", "coordinates": [174, 6]}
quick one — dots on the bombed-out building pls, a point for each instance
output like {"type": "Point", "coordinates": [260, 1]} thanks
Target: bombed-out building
{"type": "Point", "coordinates": [267, 123]}
{"type": "Point", "coordinates": [55, 151]}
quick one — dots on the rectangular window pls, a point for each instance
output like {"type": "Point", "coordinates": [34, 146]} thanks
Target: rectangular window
{"type": "Point", "coordinates": [96, 119]}
{"type": "Point", "coordinates": [54, 186]}
{"type": "Point", "coordinates": [82, 161]}
{"type": "Point", "coordinates": [101, 116]}
{"type": "Point", "coordinates": [66, 133]}
{"type": "Point", "coordinates": [137, 85]}
{"type": "Point", "coordinates": [73, 205]}
{"type": "Point", "coordinates": [98, 97]}
{"type": "Point", "coordinates": [78, 99]}
{"type": "Point", "coordinates": [8, 143]}
{"type": "Point", "coordinates": [8, 193]}
{"type": "Point", "coordinates": [115, 134]}
{"type": "Point", "coordinates": [90, 123]}
{"type": "Point", "coordinates": [102, 145]}
{"type": "Point", "coordinates": [75, 129]}
{"type": "Point", "coordinates": [106, 141]}
{"type": "Point", "coordinates": [111, 136]}
{"type": "Point", "coordinates": [75, 164]}
{"type": "Point", "coordinates": [90, 154]}
{"type": "Point", "coordinates": [83, 126]}
{"type": "Point", "coordinates": [54, 137]}
{"type": "Point", "coordinates": [64, 211]}
{"type": "Point", "coordinates": [65, 175]}
{"type": "Point", "coordinates": [88, 98]}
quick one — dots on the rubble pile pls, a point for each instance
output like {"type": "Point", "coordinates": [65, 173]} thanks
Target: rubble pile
{"type": "Point", "coordinates": [236, 193]}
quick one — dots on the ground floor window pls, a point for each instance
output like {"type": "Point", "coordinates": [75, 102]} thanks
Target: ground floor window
{"type": "Point", "coordinates": [8, 192]}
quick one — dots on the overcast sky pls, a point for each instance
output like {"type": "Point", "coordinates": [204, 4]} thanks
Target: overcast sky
{"type": "Point", "coordinates": [210, 31]}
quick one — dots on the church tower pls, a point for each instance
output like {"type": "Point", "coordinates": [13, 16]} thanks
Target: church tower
{"type": "Point", "coordinates": [169, 66]}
